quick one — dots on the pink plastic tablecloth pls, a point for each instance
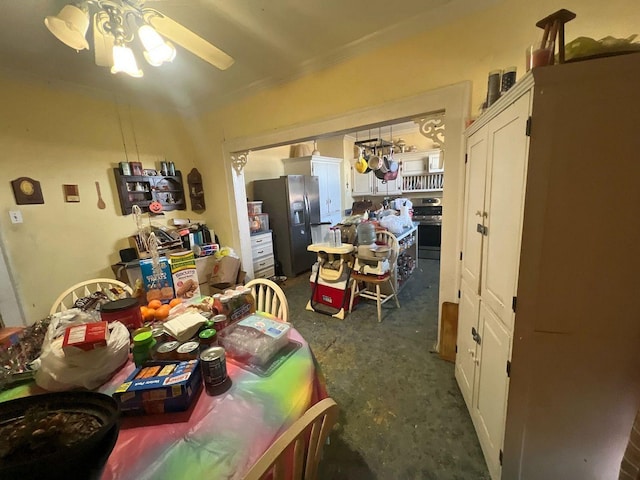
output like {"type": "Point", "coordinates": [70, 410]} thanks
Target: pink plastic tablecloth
{"type": "Point", "coordinates": [219, 437]}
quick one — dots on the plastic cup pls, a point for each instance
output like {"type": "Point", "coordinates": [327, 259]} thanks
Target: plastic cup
{"type": "Point", "coordinates": [539, 55]}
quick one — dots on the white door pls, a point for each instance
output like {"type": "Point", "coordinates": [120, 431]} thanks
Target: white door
{"type": "Point", "coordinates": [361, 183]}
{"type": "Point", "coordinates": [491, 387]}
{"type": "Point", "coordinates": [504, 200]}
{"type": "Point", "coordinates": [468, 310]}
{"type": "Point", "coordinates": [475, 170]}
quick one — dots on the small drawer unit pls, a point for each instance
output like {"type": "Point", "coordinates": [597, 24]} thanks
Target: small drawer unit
{"type": "Point", "coordinates": [262, 255]}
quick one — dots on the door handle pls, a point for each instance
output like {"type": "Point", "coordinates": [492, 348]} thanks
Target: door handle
{"type": "Point", "coordinates": [475, 335]}
{"type": "Point", "coordinates": [481, 229]}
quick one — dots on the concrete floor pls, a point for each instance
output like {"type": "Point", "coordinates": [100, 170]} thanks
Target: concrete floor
{"type": "Point", "coordinates": [402, 416]}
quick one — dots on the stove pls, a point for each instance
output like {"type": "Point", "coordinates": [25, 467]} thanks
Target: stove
{"type": "Point", "coordinates": [428, 213]}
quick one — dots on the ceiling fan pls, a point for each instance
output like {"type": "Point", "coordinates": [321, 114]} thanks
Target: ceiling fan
{"type": "Point", "coordinates": [117, 23]}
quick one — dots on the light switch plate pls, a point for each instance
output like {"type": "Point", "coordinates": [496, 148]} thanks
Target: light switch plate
{"type": "Point", "coordinates": [16, 216]}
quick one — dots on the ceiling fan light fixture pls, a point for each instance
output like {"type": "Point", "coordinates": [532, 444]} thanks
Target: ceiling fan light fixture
{"type": "Point", "coordinates": [70, 26]}
{"type": "Point", "coordinates": [125, 62]}
{"type": "Point", "coordinates": [157, 51]}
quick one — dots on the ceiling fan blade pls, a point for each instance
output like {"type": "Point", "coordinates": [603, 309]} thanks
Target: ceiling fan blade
{"type": "Point", "coordinates": [187, 39]}
{"type": "Point", "coordinates": [102, 43]}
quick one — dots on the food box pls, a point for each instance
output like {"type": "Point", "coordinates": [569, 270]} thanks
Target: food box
{"type": "Point", "coordinates": [160, 387]}
{"type": "Point", "coordinates": [85, 337]}
{"type": "Point", "coordinates": [185, 275]}
{"type": "Point", "coordinates": [160, 288]}
{"type": "Point", "coordinates": [255, 339]}
{"type": "Point", "coordinates": [254, 208]}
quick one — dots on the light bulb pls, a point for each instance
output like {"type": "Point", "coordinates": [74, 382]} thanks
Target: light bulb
{"type": "Point", "coordinates": [157, 51]}
{"type": "Point", "coordinates": [124, 61]}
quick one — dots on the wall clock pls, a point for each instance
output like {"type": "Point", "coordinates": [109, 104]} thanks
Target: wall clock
{"type": "Point", "coordinates": [27, 191]}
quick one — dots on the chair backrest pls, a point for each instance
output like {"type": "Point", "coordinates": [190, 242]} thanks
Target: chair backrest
{"type": "Point", "coordinates": [315, 424]}
{"type": "Point", "coordinates": [388, 238]}
{"type": "Point", "coordinates": [83, 289]}
{"type": "Point", "coordinates": [269, 298]}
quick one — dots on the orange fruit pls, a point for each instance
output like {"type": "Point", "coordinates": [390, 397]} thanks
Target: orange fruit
{"type": "Point", "coordinates": [162, 312]}
{"type": "Point", "coordinates": [148, 314]}
{"type": "Point", "coordinates": [175, 301]}
{"type": "Point", "coordinates": [155, 304]}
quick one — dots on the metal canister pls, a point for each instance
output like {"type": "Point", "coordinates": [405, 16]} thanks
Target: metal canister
{"type": "Point", "coordinates": [220, 322]}
{"type": "Point", "coordinates": [214, 370]}
{"type": "Point", "coordinates": [160, 335]}
{"type": "Point", "coordinates": [164, 168]}
{"type": "Point", "coordinates": [188, 351]}
{"type": "Point", "coordinates": [167, 351]}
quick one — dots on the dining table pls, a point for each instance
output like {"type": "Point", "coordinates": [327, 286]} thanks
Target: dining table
{"type": "Point", "coordinates": [219, 436]}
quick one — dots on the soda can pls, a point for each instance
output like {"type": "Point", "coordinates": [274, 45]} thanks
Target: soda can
{"type": "Point", "coordinates": [213, 362]}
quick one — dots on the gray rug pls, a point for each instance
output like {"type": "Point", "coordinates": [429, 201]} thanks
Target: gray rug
{"type": "Point", "coordinates": [402, 415]}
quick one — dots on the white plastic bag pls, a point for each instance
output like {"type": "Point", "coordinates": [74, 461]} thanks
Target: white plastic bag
{"type": "Point", "coordinates": [393, 223]}
{"type": "Point", "coordinates": [90, 369]}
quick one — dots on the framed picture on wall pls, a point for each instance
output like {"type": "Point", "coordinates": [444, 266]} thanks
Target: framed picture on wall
{"type": "Point", "coordinates": [136, 168]}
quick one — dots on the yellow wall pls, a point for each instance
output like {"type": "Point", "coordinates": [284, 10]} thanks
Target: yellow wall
{"type": "Point", "coordinates": [62, 138]}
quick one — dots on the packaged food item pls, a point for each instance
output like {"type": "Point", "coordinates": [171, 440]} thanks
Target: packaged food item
{"type": "Point", "coordinates": [157, 287]}
{"type": "Point", "coordinates": [207, 338]}
{"type": "Point", "coordinates": [188, 351]}
{"type": "Point", "coordinates": [85, 337]}
{"type": "Point", "coordinates": [255, 339]}
{"type": "Point", "coordinates": [125, 311]}
{"type": "Point", "coordinates": [185, 276]}
{"type": "Point", "coordinates": [166, 351]}
{"type": "Point", "coordinates": [160, 387]}
{"type": "Point", "coordinates": [213, 362]}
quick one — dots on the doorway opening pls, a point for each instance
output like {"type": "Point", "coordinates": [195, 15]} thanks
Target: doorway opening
{"type": "Point", "coordinates": [454, 100]}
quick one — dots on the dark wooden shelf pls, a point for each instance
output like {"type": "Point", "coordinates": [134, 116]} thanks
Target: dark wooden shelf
{"type": "Point", "coordinates": [156, 191]}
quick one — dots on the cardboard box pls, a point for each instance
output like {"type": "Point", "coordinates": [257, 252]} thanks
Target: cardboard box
{"type": "Point", "coordinates": [85, 337]}
{"type": "Point", "coordinates": [221, 287]}
{"type": "Point", "coordinates": [160, 288]}
{"type": "Point", "coordinates": [225, 270]}
{"type": "Point", "coordinates": [171, 387]}
{"type": "Point", "coordinates": [184, 274]}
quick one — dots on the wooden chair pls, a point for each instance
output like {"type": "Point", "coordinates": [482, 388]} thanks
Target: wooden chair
{"type": "Point", "coordinates": [310, 431]}
{"type": "Point", "coordinates": [83, 289]}
{"type": "Point", "coordinates": [369, 286]}
{"type": "Point", "coordinates": [269, 298]}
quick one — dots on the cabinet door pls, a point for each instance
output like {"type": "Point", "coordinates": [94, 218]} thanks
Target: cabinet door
{"type": "Point", "coordinates": [334, 188]}
{"type": "Point", "coordinates": [466, 354]}
{"type": "Point", "coordinates": [320, 170]}
{"type": "Point", "coordinates": [475, 171]}
{"type": "Point", "coordinates": [361, 183]}
{"type": "Point", "coordinates": [504, 200]}
{"type": "Point", "coordinates": [394, 187]}
{"type": "Point", "coordinates": [491, 387]}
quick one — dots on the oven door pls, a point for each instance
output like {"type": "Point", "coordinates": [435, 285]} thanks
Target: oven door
{"type": "Point", "coordinates": [429, 240]}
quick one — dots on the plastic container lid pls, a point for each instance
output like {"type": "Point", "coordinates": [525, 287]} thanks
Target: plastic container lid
{"type": "Point", "coordinates": [143, 338]}
{"type": "Point", "coordinates": [118, 305]}
{"type": "Point", "coordinates": [208, 333]}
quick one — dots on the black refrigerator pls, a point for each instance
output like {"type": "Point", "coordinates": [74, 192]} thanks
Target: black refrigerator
{"type": "Point", "coordinates": [293, 205]}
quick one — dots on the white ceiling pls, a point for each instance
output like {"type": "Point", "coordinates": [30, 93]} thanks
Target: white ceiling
{"type": "Point", "coordinates": [272, 41]}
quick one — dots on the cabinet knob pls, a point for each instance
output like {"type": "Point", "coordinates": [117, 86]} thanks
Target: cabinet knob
{"type": "Point", "coordinates": [471, 352]}
{"type": "Point", "coordinates": [478, 213]}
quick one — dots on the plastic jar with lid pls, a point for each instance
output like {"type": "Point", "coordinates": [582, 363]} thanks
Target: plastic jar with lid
{"type": "Point", "coordinates": [366, 233]}
{"type": "Point", "coordinates": [143, 344]}
{"type": "Point", "coordinates": [207, 338]}
{"type": "Point", "coordinates": [125, 310]}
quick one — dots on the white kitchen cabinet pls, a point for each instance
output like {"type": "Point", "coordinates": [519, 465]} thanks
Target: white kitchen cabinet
{"type": "Point", "coordinates": [421, 171]}
{"type": "Point", "coordinates": [367, 184]}
{"type": "Point", "coordinates": [547, 356]}
{"type": "Point", "coordinates": [328, 170]}
{"type": "Point", "coordinates": [494, 196]}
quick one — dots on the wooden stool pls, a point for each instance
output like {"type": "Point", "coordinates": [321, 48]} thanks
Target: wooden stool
{"type": "Point", "coordinates": [554, 25]}
{"type": "Point", "coordinates": [377, 295]}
